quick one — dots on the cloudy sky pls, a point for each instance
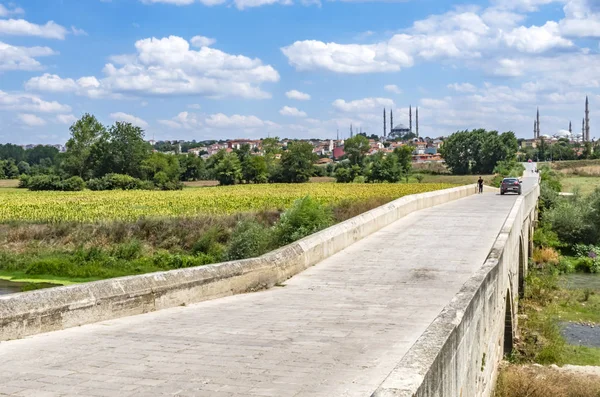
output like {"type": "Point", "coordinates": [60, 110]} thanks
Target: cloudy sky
{"type": "Point", "coordinates": [198, 69]}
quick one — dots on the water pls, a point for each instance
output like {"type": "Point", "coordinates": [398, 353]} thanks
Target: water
{"type": "Point", "coordinates": [8, 287]}
{"type": "Point", "coordinates": [582, 281]}
{"type": "Point", "coordinates": [11, 287]}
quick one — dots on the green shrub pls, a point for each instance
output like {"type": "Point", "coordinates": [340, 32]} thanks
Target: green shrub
{"type": "Point", "coordinates": [249, 239]}
{"type": "Point", "coordinates": [119, 182]}
{"type": "Point", "coordinates": [128, 251]}
{"type": "Point", "coordinates": [73, 184]}
{"type": "Point", "coordinates": [305, 217]}
{"type": "Point", "coordinates": [44, 182]}
{"type": "Point", "coordinates": [359, 179]}
{"type": "Point", "coordinates": [546, 237]}
{"type": "Point", "coordinates": [571, 221]}
{"type": "Point", "coordinates": [24, 181]}
{"type": "Point", "coordinates": [211, 242]}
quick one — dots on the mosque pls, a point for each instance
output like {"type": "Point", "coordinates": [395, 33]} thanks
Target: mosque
{"type": "Point", "coordinates": [585, 128]}
{"type": "Point", "coordinates": [400, 130]}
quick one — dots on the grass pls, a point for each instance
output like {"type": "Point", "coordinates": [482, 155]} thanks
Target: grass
{"type": "Point", "coordinates": [584, 184]}
{"type": "Point", "coordinates": [9, 183]}
{"type": "Point", "coordinates": [544, 307]}
{"type": "Point", "coordinates": [20, 277]}
{"type": "Point", "coordinates": [529, 381]}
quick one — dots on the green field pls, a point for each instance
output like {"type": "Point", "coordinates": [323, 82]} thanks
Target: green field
{"type": "Point", "coordinates": [89, 206]}
{"type": "Point", "coordinates": [585, 184]}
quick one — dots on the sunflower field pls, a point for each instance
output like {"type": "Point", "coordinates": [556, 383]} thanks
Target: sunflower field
{"type": "Point", "coordinates": [87, 206]}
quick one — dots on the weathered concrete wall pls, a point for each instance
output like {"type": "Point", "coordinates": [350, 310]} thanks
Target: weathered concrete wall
{"type": "Point", "coordinates": [57, 308]}
{"type": "Point", "coordinates": [458, 354]}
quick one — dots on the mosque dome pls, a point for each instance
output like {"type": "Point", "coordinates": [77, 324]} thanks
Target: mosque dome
{"type": "Point", "coordinates": [400, 127]}
{"type": "Point", "coordinates": [563, 134]}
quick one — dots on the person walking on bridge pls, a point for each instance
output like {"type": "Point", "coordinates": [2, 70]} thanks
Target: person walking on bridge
{"type": "Point", "coordinates": [480, 185]}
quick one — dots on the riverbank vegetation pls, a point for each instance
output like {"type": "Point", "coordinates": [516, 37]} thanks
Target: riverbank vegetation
{"type": "Point", "coordinates": [567, 241]}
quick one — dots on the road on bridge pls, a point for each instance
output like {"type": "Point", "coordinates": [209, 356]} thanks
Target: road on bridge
{"type": "Point", "coordinates": [337, 329]}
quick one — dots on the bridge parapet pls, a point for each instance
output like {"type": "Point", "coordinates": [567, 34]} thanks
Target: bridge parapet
{"type": "Point", "coordinates": [458, 354]}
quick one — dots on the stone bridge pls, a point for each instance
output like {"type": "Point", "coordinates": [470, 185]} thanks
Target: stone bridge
{"type": "Point", "coordinates": [415, 298]}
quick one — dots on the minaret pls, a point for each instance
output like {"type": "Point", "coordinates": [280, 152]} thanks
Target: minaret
{"type": "Point", "coordinates": [570, 129]}
{"type": "Point", "coordinates": [417, 121]}
{"type": "Point", "coordinates": [338, 134]}
{"type": "Point", "coordinates": [384, 125]}
{"type": "Point", "coordinates": [583, 129]}
{"type": "Point", "coordinates": [351, 133]}
{"type": "Point", "coordinates": [391, 119]}
{"type": "Point", "coordinates": [534, 129]}
{"type": "Point", "coordinates": [538, 122]}
{"type": "Point", "coordinates": [410, 118]}
{"type": "Point", "coordinates": [587, 120]}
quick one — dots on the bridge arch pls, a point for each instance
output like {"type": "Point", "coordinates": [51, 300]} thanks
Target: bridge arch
{"type": "Point", "coordinates": [508, 324]}
{"type": "Point", "coordinates": [522, 267]}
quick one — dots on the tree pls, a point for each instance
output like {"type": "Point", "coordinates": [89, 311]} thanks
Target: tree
{"type": "Point", "coordinates": [120, 150]}
{"type": "Point", "coordinates": [23, 167]}
{"type": "Point", "coordinates": [297, 162]}
{"type": "Point", "coordinates": [160, 163]}
{"type": "Point", "coordinates": [84, 133]}
{"type": "Point", "coordinates": [192, 167]}
{"type": "Point", "coordinates": [11, 171]}
{"type": "Point", "coordinates": [229, 170]}
{"type": "Point", "coordinates": [243, 152]}
{"type": "Point", "coordinates": [404, 155]}
{"type": "Point", "coordinates": [254, 169]}
{"type": "Point", "coordinates": [356, 148]}
{"type": "Point", "coordinates": [40, 153]}
{"type": "Point", "coordinates": [478, 151]}
{"type": "Point", "coordinates": [384, 169]}
{"type": "Point", "coordinates": [10, 151]}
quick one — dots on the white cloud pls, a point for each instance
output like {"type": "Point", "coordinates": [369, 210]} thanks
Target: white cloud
{"type": "Point", "coordinates": [536, 39]}
{"type": "Point", "coordinates": [194, 106]}
{"type": "Point", "coordinates": [22, 58]}
{"type": "Point", "coordinates": [290, 111]}
{"type": "Point", "coordinates": [362, 105]}
{"type": "Point", "coordinates": [509, 68]}
{"type": "Point", "coordinates": [31, 120]}
{"type": "Point", "coordinates": [128, 118]}
{"type": "Point", "coordinates": [393, 88]}
{"type": "Point", "coordinates": [457, 35]}
{"type": "Point", "coordinates": [30, 103]}
{"type": "Point", "coordinates": [6, 12]}
{"type": "Point", "coordinates": [236, 121]}
{"type": "Point", "coordinates": [66, 119]}
{"type": "Point", "coordinates": [182, 120]}
{"type": "Point", "coordinates": [184, 2]}
{"type": "Point", "coordinates": [168, 67]}
{"type": "Point", "coordinates": [242, 4]}
{"type": "Point", "coordinates": [523, 5]}
{"type": "Point", "coordinates": [78, 32]}
{"type": "Point", "coordinates": [462, 87]}
{"type": "Point", "coordinates": [345, 58]}
{"type": "Point", "coordinates": [21, 27]}
{"type": "Point", "coordinates": [201, 41]}
{"type": "Point", "coordinates": [295, 94]}
{"type": "Point", "coordinates": [87, 86]}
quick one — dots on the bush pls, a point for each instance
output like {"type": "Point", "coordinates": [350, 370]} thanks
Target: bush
{"type": "Point", "coordinates": [305, 217]}
{"type": "Point", "coordinates": [545, 256]}
{"type": "Point", "coordinates": [545, 237]}
{"type": "Point", "coordinates": [24, 181]}
{"type": "Point", "coordinates": [249, 240]}
{"type": "Point", "coordinates": [119, 182]}
{"type": "Point", "coordinates": [73, 184]}
{"type": "Point", "coordinates": [44, 182]}
{"type": "Point", "coordinates": [571, 220]}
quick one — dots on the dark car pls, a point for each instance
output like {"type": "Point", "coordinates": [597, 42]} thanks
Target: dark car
{"type": "Point", "coordinates": [510, 185]}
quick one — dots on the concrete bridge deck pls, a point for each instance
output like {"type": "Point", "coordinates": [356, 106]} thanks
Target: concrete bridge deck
{"type": "Point", "coordinates": [337, 329]}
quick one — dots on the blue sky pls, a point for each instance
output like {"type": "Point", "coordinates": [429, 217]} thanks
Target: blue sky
{"type": "Point", "coordinates": [204, 69]}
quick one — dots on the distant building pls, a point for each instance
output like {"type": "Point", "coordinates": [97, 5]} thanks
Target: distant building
{"type": "Point", "coordinates": [338, 153]}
